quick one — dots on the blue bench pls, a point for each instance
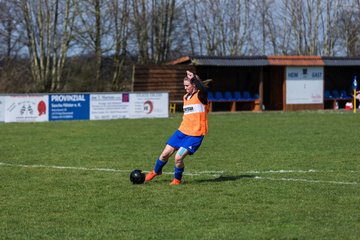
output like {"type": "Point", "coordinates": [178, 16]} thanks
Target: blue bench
{"type": "Point", "coordinates": [336, 98]}
{"type": "Point", "coordinates": [232, 97]}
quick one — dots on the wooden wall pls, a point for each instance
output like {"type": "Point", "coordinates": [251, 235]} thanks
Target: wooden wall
{"type": "Point", "coordinates": [299, 107]}
{"type": "Point", "coordinates": [166, 78]}
{"type": "Point", "coordinates": [273, 89]}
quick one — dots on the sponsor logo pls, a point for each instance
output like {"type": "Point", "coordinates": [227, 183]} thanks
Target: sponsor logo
{"type": "Point", "coordinates": [68, 98]}
{"type": "Point", "coordinates": [148, 107]}
{"type": "Point", "coordinates": [41, 108]}
{"type": "Point", "coordinates": [188, 109]}
{"type": "Point", "coordinates": [27, 109]}
{"type": "Point", "coordinates": [125, 97]}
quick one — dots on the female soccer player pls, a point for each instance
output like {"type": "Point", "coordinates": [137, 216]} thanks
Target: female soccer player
{"type": "Point", "coordinates": [194, 126]}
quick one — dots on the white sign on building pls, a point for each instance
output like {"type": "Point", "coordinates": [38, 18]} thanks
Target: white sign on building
{"type": "Point", "coordinates": [304, 85]}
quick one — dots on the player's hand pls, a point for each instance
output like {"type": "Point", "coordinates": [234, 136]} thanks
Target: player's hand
{"type": "Point", "coordinates": [189, 75]}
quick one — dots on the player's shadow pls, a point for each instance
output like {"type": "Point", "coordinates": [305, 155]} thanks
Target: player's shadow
{"type": "Point", "coordinates": [226, 178]}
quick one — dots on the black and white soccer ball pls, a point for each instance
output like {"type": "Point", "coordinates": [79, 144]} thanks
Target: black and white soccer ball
{"type": "Point", "coordinates": [137, 177]}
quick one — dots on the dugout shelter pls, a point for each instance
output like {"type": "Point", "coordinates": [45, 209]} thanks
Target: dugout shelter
{"type": "Point", "coordinates": [257, 83]}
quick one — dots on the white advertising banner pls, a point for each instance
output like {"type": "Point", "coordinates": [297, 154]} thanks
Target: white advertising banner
{"type": "Point", "coordinates": [149, 105]}
{"type": "Point", "coordinates": [304, 85]}
{"type": "Point", "coordinates": [2, 108]}
{"type": "Point", "coordinates": [26, 108]}
{"type": "Point", "coordinates": [97, 106]}
{"type": "Point", "coordinates": [109, 106]}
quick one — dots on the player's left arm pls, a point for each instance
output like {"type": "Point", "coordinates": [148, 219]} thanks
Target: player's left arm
{"type": "Point", "coordinates": [203, 92]}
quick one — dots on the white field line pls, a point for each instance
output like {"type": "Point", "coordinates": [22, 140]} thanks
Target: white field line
{"type": "Point", "coordinates": [212, 173]}
{"type": "Point", "coordinates": [302, 171]}
{"type": "Point", "coordinates": [208, 172]}
{"type": "Point", "coordinates": [306, 180]}
{"type": "Point", "coordinates": [64, 167]}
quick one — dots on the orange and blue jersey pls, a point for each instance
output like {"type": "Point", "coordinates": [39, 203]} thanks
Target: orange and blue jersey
{"type": "Point", "coordinates": [195, 122]}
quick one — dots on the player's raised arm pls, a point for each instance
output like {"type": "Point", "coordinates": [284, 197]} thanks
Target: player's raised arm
{"type": "Point", "coordinates": [203, 95]}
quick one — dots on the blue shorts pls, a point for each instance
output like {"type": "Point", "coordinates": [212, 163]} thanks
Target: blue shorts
{"type": "Point", "coordinates": [191, 143]}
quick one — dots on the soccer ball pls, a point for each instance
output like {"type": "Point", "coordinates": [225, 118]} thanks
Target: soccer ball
{"type": "Point", "coordinates": [137, 177]}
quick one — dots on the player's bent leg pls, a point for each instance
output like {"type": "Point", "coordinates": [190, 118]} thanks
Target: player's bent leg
{"type": "Point", "coordinates": [179, 165]}
{"type": "Point", "coordinates": [166, 153]}
{"type": "Point", "coordinates": [160, 163]}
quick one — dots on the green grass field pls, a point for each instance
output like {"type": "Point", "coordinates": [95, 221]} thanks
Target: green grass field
{"type": "Point", "coordinates": [271, 175]}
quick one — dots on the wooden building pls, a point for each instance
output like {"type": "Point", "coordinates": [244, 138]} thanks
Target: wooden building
{"type": "Point", "coordinates": [256, 83]}
{"type": "Point", "coordinates": [165, 78]}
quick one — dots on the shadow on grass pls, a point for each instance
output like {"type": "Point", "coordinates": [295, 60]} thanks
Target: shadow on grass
{"type": "Point", "coordinates": [226, 178]}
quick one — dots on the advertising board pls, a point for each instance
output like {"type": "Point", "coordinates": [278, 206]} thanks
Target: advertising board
{"type": "Point", "coordinates": [69, 107]}
{"type": "Point", "coordinates": [149, 105]}
{"type": "Point", "coordinates": [109, 106]}
{"type": "Point", "coordinates": [82, 106]}
{"type": "Point", "coordinates": [26, 108]}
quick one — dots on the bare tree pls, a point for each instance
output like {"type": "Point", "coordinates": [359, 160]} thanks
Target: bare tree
{"type": "Point", "coordinates": [92, 33]}
{"type": "Point", "coordinates": [97, 41]}
{"type": "Point", "coordinates": [62, 50]}
{"type": "Point", "coordinates": [221, 27]}
{"type": "Point", "coordinates": [305, 17]}
{"type": "Point", "coordinates": [121, 19]}
{"type": "Point", "coordinates": [46, 43]}
{"type": "Point", "coordinates": [313, 26]}
{"type": "Point", "coordinates": [348, 25]}
{"type": "Point", "coordinates": [329, 21]}
{"type": "Point", "coordinates": [208, 19]}
{"type": "Point", "coordinates": [237, 28]}
{"type": "Point", "coordinates": [285, 31]}
{"type": "Point", "coordinates": [141, 27]}
{"type": "Point", "coordinates": [163, 28]}
{"type": "Point", "coordinates": [297, 9]}
{"type": "Point", "coordinates": [13, 69]}
{"type": "Point", "coordinates": [154, 25]}
{"type": "Point", "coordinates": [189, 29]}
{"type": "Point", "coordinates": [267, 26]}
{"type": "Point", "coordinates": [192, 26]}
{"type": "Point", "coordinates": [10, 31]}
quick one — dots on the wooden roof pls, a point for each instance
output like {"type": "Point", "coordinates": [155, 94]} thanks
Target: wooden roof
{"type": "Point", "coordinates": [295, 61]}
{"type": "Point", "coordinates": [184, 59]}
